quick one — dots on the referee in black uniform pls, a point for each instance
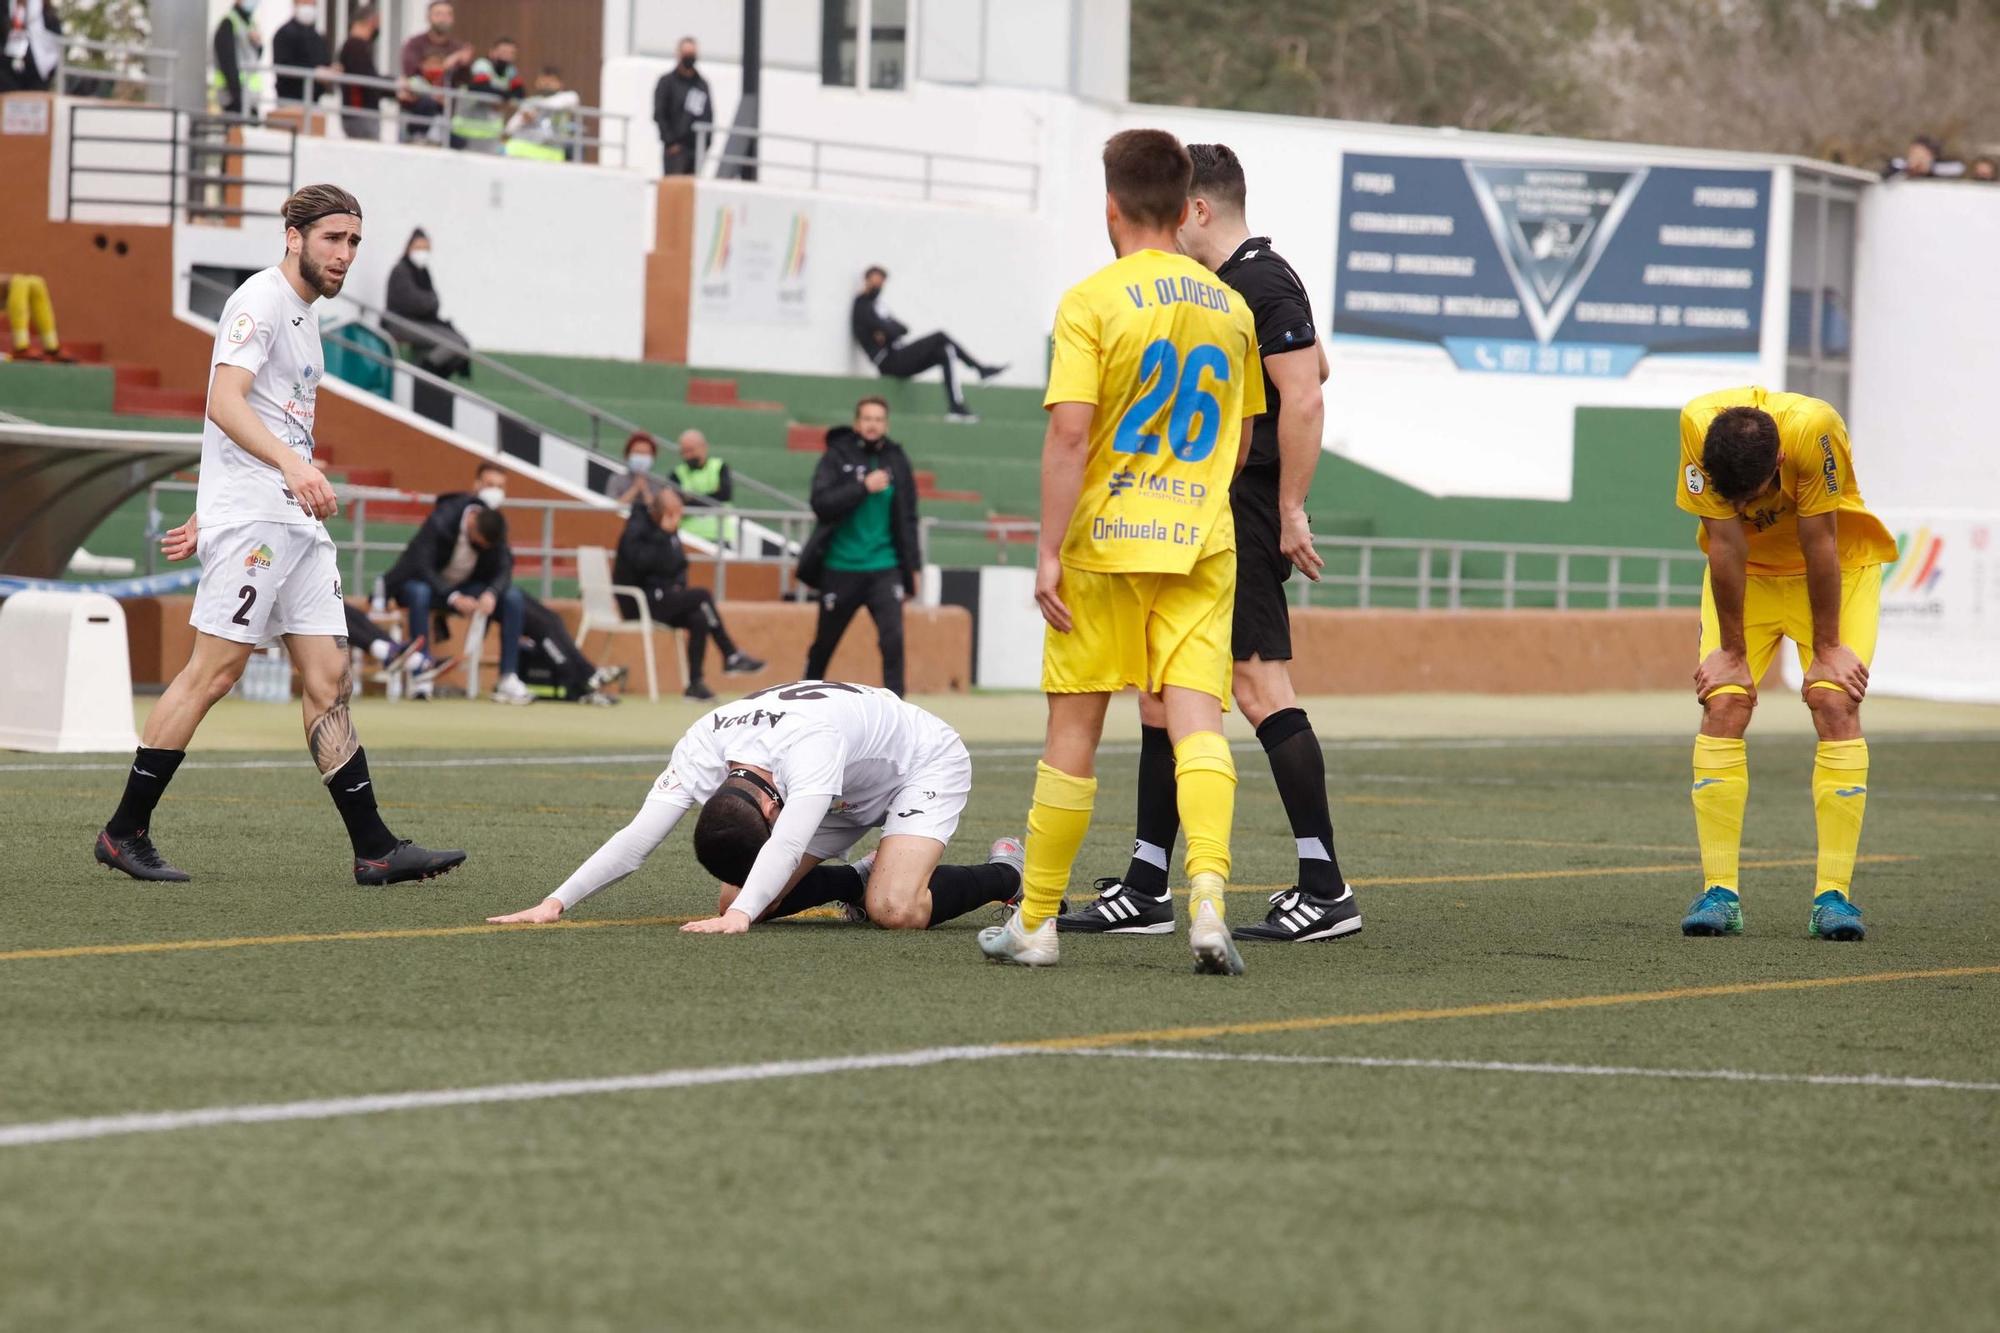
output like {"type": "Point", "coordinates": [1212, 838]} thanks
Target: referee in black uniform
{"type": "Point", "coordinates": [1273, 536]}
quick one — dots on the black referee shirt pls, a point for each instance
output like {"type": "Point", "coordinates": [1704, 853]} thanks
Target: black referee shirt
{"type": "Point", "coordinates": [1284, 324]}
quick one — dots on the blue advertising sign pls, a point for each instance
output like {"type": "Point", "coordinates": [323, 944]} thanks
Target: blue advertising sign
{"type": "Point", "coordinates": [1551, 268]}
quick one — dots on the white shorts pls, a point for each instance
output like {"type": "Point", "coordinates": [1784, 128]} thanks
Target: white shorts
{"type": "Point", "coordinates": [926, 806]}
{"type": "Point", "coordinates": [260, 580]}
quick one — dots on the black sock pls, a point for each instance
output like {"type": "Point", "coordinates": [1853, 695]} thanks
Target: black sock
{"type": "Point", "coordinates": [1299, 768]}
{"type": "Point", "coordinates": [1159, 817]}
{"type": "Point", "coordinates": [151, 771]}
{"type": "Point", "coordinates": [354, 796]}
{"type": "Point", "coordinates": [819, 886]}
{"type": "Point", "coordinates": [956, 890]}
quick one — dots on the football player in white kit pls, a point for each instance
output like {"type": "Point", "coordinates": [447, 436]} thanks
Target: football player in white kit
{"type": "Point", "coordinates": [267, 564]}
{"type": "Point", "coordinates": [791, 775]}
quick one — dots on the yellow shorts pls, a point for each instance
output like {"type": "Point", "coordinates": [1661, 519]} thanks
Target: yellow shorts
{"type": "Point", "coordinates": [1777, 608]}
{"type": "Point", "coordinates": [1146, 630]}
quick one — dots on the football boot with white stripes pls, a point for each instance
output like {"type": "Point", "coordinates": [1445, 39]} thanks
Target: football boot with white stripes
{"type": "Point", "coordinates": [1120, 909]}
{"type": "Point", "coordinates": [1297, 917]}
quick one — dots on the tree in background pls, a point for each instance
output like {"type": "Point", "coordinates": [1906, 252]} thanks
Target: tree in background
{"type": "Point", "coordinates": [1841, 78]}
{"type": "Point", "coordinates": [126, 22]}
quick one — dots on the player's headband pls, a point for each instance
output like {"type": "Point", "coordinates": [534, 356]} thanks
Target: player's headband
{"type": "Point", "coordinates": [756, 780]}
{"type": "Point", "coordinates": [306, 224]}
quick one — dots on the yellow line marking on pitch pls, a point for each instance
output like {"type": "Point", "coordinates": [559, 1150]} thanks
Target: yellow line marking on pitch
{"type": "Point", "coordinates": [1544, 1006]}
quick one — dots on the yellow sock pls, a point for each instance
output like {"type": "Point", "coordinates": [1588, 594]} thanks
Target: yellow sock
{"type": "Point", "coordinates": [1206, 780]}
{"type": "Point", "coordinates": [1840, 796]}
{"type": "Point", "coordinates": [1056, 825]}
{"type": "Point", "coordinates": [1721, 788]}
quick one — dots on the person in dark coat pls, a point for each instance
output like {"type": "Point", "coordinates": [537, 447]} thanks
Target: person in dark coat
{"type": "Point", "coordinates": [459, 560]}
{"type": "Point", "coordinates": [682, 104]}
{"type": "Point", "coordinates": [32, 29]}
{"type": "Point", "coordinates": [650, 557]}
{"type": "Point", "coordinates": [357, 57]}
{"type": "Point", "coordinates": [864, 550]}
{"type": "Point", "coordinates": [301, 44]}
{"type": "Point", "coordinates": [413, 313]}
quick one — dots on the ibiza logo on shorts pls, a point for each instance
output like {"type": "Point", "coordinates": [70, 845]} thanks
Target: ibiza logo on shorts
{"type": "Point", "coordinates": [259, 557]}
{"type": "Point", "coordinates": [241, 328]}
{"type": "Point", "coordinates": [1696, 482]}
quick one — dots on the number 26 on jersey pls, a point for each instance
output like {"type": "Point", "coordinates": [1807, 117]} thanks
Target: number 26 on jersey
{"type": "Point", "coordinates": [1195, 418]}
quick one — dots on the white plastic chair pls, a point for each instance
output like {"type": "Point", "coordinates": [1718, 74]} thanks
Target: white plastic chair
{"type": "Point", "coordinates": [600, 609]}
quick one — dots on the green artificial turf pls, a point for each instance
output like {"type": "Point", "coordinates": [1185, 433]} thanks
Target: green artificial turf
{"type": "Point", "coordinates": [1040, 1191]}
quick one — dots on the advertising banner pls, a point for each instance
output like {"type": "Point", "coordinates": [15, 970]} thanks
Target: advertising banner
{"type": "Point", "coordinates": [751, 262]}
{"type": "Point", "coordinates": [1551, 268]}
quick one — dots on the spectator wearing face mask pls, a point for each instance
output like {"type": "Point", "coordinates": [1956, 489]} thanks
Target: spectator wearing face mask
{"type": "Point", "coordinates": [238, 49]}
{"type": "Point", "coordinates": [681, 107]}
{"type": "Point", "coordinates": [361, 106]}
{"type": "Point", "coordinates": [429, 62]}
{"type": "Point", "coordinates": [704, 482]}
{"type": "Point", "coordinates": [413, 314]}
{"type": "Point", "coordinates": [33, 31]}
{"type": "Point", "coordinates": [495, 80]}
{"type": "Point", "coordinates": [650, 557]}
{"type": "Point", "coordinates": [637, 483]}
{"type": "Point", "coordinates": [459, 560]}
{"type": "Point", "coordinates": [298, 43]}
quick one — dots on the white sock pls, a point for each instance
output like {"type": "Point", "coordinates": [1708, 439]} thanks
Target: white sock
{"type": "Point", "coordinates": [379, 650]}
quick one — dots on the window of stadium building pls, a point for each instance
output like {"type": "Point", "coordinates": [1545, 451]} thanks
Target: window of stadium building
{"type": "Point", "coordinates": [864, 34]}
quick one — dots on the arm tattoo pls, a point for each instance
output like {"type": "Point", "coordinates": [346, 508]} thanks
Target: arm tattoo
{"type": "Point", "coordinates": [330, 736]}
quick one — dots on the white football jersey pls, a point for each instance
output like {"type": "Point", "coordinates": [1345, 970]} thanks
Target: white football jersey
{"type": "Point", "coordinates": [267, 330]}
{"type": "Point", "coordinates": [855, 743]}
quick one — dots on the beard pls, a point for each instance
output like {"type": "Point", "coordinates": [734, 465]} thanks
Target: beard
{"type": "Point", "coordinates": [317, 277]}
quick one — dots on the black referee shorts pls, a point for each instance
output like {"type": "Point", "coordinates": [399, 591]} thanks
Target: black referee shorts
{"type": "Point", "coordinates": [1262, 626]}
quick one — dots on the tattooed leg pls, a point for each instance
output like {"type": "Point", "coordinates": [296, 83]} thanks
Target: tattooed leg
{"type": "Point", "coordinates": [328, 678]}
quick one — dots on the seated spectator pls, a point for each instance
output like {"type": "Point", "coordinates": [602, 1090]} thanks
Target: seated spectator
{"type": "Point", "coordinates": [393, 654]}
{"type": "Point", "coordinates": [704, 482]}
{"type": "Point", "coordinates": [33, 34]}
{"type": "Point", "coordinates": [1984, 169]}
{"type": "Point", "coordinates": [637, 482]}
{"type": "Point", "coordinates": [886, 341]}
{"type": "Point", "coordinates": [299, 43]}
{"type": "Point", "coordinates": [1924, 159]}
{"type": "Point", "coordinates": [650, 557]}
{"type": "Point", "coordinates": [26, 299]}
{"type": "Point", "coordinates": [361, 107]}
{"type": "Point", "coordinates": [430, 61]}
{"type": "Point", "coordinates": [495, 81]}
{"type": "Point", "coordinates": [459, 560]}
{"type": "Point", "coordinates": [413, 314]}
{"type": "Point", "coordinates": [545, 126]}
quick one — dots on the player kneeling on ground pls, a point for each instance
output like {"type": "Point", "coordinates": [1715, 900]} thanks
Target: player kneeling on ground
{"type": "Point", "coordinates": [1793, 553]}
{"type": "Point", "coordinates": [267, 564]}
{"type": "Point", "coordinates": [791, 775]}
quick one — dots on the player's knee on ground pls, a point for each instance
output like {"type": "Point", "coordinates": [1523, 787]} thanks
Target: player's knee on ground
{"type": "Point", "coordinates": [1726, 714]}
{"type": "Point", "coordinates": [895, 908]}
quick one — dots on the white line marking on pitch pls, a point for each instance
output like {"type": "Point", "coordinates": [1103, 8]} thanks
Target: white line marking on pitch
{"type": "Point", "coordinates": [1512, 1067]}
{"type": "Point", "coordinates": [333, 1108]}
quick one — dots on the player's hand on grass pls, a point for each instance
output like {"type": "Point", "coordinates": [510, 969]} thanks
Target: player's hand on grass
{"type": "Point", "coordinates": [1048, 592]}
{"type": "Point", "coordinates": [731, 922]}
{"type": "Point", "coordinates": [1839, 665]}
{"type": "Point", "coordinates": [1295, 542]}
{"type": "Point", "coordinates": [543, 912]}
{"type": "Point", "coordinates": [1719, 668]}
{"type": "Point", "coordinates": [312, 489]}
{"type": "Point", "coordinates": [179, 543]}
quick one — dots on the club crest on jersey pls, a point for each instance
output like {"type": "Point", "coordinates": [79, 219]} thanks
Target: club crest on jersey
{"type": "Point", "coordinates": [241, 328]}
{"type": "Point", "coordinates": [258, 558]}
{"type": "Point", "coordinates": [1696, 482]}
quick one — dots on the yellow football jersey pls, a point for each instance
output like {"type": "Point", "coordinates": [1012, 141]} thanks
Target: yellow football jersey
{"type": "Point", "coordinates": [1815, 476]}
{"type": "Point", "coordinates": [1168, 353]}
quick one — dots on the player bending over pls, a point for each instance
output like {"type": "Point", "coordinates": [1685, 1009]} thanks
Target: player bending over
{"type": "Point", "coordinates": [791, 775]}
{"type": "Point", "coordinates": [267, 564]}
{"type": "Point", "coordinates": [1151, 392]}
{"type": "Point", "coordinates": [1792, 554]}
{"type": "Point", "coordinates": [1268, 504]}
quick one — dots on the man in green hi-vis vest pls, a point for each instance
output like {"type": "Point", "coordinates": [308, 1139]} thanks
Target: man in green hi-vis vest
{"type": "Point", "coordinates": [703, 479]}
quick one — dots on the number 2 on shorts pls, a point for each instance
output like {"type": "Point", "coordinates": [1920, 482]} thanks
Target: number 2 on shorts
{"type": "Point", "coordinates": [248, 592]}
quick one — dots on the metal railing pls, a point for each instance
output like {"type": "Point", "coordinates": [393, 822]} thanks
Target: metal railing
{"type": "Point", "coordinates": [823, 159]}
{"type": "Point", "coordinates": [198, 162]}
{"type": "Point", "coordinates": [1428, 574]}
{"type": "Point", "coordinates": [435, 127]}
{"type": "Point", "coordinates": [114, 70]}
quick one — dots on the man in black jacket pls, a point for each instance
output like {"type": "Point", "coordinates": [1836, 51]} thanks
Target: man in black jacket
{"type": "Point", "coordinates": [650, 557]}
{"type": "Point", "coordinates": [886, 341]}
{"type": "Point", "coordinates": [681, 106]}
{"type": "Point", "coordinates": [460, 557]}
{"type": "Point", "coordinates": [864, 551]}
{"type": "Point", "coordinates": [301, 45]}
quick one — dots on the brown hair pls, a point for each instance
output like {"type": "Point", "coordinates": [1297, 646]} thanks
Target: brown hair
{"type": "Point", "coordinates": [874, 398]}
{"type": "Point", "coordinates": [314, 202]}
{"type": "Point", "coordinates": [1147, 172]}
{"type": "Point", "coordinates": [1218, 176]}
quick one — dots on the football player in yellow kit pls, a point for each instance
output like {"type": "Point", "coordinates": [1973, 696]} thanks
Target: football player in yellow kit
{"type": "Point", "coordinates": [1152, 389]}
{"type": "Point", "coordinates": [1793, 553]}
